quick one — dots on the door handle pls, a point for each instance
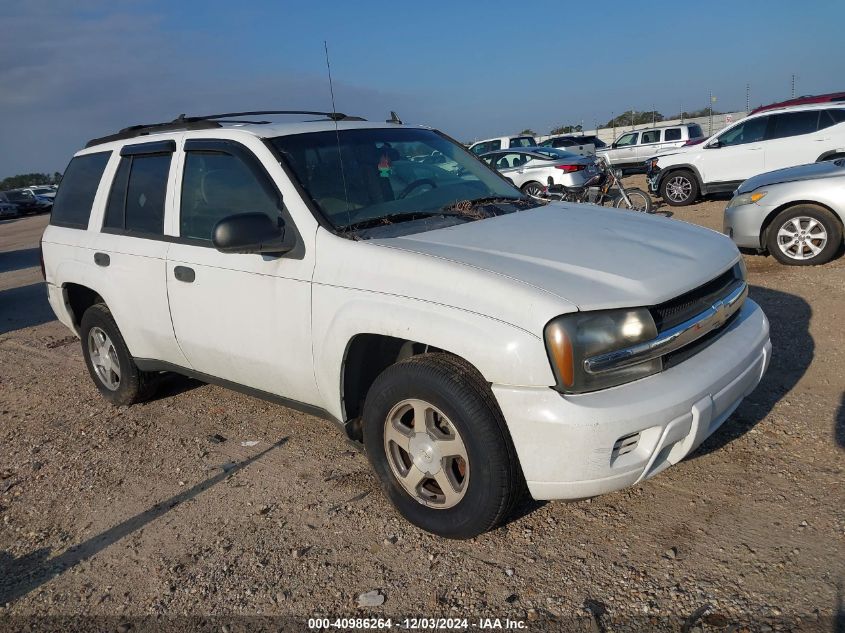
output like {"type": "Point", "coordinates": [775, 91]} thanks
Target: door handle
{"type": "Point", "coordinates": [183, 273]}
{"type": "Point", "coordinates": [102, 259]}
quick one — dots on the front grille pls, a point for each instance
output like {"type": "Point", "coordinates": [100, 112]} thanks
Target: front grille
{"type": "Point", "coordinates": [679, 356]}
{"type": "Point", "coordinates": [675, 311]}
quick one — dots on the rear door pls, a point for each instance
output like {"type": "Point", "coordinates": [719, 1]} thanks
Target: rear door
{"type": "Point", "coordinates": [244, 318]}
{"type": "Point", "coordinates": [795, 138]}
{"type": "Point", "coordinates": [650, 143]}
{"type": "Point", "coordinates": [129, 254]}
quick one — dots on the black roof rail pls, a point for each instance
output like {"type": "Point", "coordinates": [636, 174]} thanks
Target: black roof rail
{"type": "Point", "coordinates": [206, 122]}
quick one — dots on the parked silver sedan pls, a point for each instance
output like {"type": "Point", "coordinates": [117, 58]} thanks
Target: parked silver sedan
{"type": "Point", "coordinates": [532, 169]}
{"type": "Point", "coordinates": [795, 214]}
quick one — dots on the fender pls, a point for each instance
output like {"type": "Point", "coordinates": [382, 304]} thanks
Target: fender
{"type": "Point", "coordinates": [503, 353]}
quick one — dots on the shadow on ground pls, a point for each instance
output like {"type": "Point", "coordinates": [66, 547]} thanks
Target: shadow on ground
{"type": "Point", "coordinates": [24, 306]}
{"type": "Point", "coordinates": [839, 424]}
{"type": "Point", "coordinates": [792, 352]}
{"type": "Point", "coordinates": [17, 260]}
{"type": "Point", "coordinates": [19, 576]}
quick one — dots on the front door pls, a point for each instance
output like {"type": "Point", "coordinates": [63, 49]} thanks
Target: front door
{"type": "Point", "coordinates": [624, 151]}
{"type": "Point", "coordinates": [245, 318]}
{"type": "Point", "coordinates": [736, 154]}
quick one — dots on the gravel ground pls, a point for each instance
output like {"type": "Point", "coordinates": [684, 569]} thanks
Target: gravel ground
{"type": "Point", "coordinates": [235, 513]}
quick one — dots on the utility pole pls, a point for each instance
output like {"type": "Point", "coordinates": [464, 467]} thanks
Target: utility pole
{"type": "Point", "coordinates": [793, 85]}
{"type": "Point", "coordinates": [652, 115]}
{"type": "Point", "coordinates": [710, 109]}
{"type": "Point", "coordinates": [613, 120]}
{"type": "Point", "coordinates": [632, 119]}
{"type": "Point", "coordinates": [747, 98]}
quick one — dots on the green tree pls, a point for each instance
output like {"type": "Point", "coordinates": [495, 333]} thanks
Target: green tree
{"type": "Point", "coordinates": [528, 131]}
{"type": "Point", "coordinates": [27, 180]}
{"type": "Point", "coordinates": [565, 129]}
{"type": "Point", "coordinates": [634, 117]}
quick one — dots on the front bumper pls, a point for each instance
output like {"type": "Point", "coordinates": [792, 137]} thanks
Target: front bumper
{"type": "Point", "coordinates": [572, 447]}
{"type": "Point", "coordinates": [743, 224]}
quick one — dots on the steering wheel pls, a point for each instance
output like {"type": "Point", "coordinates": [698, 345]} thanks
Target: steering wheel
{"type": "Point", "coordinates": [415, 184]}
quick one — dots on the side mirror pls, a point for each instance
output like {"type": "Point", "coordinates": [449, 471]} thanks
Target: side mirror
{"type": "Point", "coordinates": [250, 233]}
{"type": "Point", "coordinates": [714, 145]}
{"type": "Point", "coordinates": [614, 145]}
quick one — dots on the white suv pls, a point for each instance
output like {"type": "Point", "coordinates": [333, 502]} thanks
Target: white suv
{"type": "Point", "coordinates": [503, 142]}
{"type": "Point", "coordinates": [630, 150]}
{"type": "Point", "coordinates": [469, 337]}
{"type": "Point", "coordinates": [769, 140]}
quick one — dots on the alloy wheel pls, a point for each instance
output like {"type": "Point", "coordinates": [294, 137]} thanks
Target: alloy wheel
{"type": "Point", "coordinates": [678, 189]}
{"type": "Point", "coordinates": [802, 237]}
{"type": "Point", "coordinates": [426, 454]}
{"type": "Point", "coordinates": [104, 358]}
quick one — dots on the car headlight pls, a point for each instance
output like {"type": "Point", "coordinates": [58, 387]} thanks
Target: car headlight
{"type": "Point", "coordinates": [746, 198]}
{"type": "Point", "coordinates": [572, 338]}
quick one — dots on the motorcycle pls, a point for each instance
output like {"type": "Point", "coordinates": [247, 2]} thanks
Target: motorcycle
{"type": "Point", "coordinates": [604, 187]}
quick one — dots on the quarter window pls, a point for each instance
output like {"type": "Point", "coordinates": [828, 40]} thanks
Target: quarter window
{"type": "Point", "coordinates": [72, 206]}
{"type": "Point", "coordinates": [216, 185]}
{"type": "Point", "coordinates": [672, 134]}
{"type": "Point", "coordinates": [652, 136]}
{"type": "Point", "coordinates": [793, 124]}
{"type": "Point", "coordinates": [136, 199]}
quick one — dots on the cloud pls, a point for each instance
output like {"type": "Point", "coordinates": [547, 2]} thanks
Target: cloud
{"type": "Point", "coordinates": [71, 75]}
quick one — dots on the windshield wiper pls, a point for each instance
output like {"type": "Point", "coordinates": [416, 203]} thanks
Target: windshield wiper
{"type": "Point", "coordinates": [394, 218]}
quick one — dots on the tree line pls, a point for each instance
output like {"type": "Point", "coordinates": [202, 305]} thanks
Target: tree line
{"type": "Point", "coordinates": [29, 180]}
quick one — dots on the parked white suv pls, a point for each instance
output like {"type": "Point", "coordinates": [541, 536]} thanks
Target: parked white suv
{"type": "Point", "coordinates": [474, 340]}
{"type": "Point", "coordinates": [503, 142]}
{"type": "Point", "coordinates": [769, 140]}
{"type": "Point", "coordinates": [630, 150]}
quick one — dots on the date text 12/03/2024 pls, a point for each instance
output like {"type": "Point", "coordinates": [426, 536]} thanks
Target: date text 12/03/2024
{"type": "Point", "coordinates": [417, 623]}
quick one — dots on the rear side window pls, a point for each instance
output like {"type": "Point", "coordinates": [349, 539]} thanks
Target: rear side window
{"type": "Point", "coordinates": [793, 124]}
{"type": "Point", "coordinates": [136, 200]}
{"type": "Point", "coordinates": [695, 131]}
{"type": "Point", "coordinates": [72, 206]}
{"type": "Point", "coordinates": [522, 141]}
{"type": "Point", "coordinates": [673, 134]}
{"type": "Point", "coordinates": [652, 136]}
{"type": "Point", "coordinates": [838, 115]}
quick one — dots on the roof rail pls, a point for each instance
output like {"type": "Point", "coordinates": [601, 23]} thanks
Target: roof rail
{"type": "Point", "coordinates": [207, 121]}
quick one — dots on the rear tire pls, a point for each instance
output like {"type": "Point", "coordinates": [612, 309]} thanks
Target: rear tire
{"type": "Point", "coordinates": [639, 198]}
{"type": "Point", "coordinates": [804, 235]}
{"type": "Point", "coordinates": [109, 362]}
{"type": "Point", "coordinates": [679, 188]}
{"type": "Point", "coordinates": [413, 415]}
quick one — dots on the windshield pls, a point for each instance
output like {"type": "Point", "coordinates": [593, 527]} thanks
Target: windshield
{"type": "Point", "coordinates": [523, 141]}
{"type": "Point", "coordinates": [385, 173]}
{"type": "Point", "coordinates": [20, 196]}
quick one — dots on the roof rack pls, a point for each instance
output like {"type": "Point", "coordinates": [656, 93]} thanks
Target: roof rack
{"type": "Point", "coordinates": [206, 122]}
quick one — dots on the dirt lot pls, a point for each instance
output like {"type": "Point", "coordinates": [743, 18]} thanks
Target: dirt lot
{"type": "Point", "coordinates": [115, 515]}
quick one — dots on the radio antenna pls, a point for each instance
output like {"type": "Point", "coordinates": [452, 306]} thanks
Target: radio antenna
{"type": "Point", "coordinates": [337, 136]}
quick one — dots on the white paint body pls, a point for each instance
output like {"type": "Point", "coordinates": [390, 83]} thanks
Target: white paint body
{"type": "Point", "coordinates": [482, 290]}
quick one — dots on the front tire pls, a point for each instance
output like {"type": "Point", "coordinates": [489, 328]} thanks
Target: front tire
{"type": "Point", "coordinates": [804, 235]}
{"type": "Point", "coordinates": [109, 362]}
{"type": "Point", "coordinates": [440, 447]}
{"type": "Point", "coordinates": [533, 189]}
{"type": "Point", "coordinates": [640, 200]}
{"type": "Point", "coordinates": [679, 188]}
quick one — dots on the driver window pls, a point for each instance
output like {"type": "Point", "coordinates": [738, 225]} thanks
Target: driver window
{"type": "Point", "coordinates": [216, 185]}
{"type": "Point", "coordinates": [627, 139]}
{"type": "Point", "coordinates": [747, 132]}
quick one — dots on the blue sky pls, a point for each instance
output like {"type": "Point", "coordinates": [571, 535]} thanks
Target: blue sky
{"type": "Point", "coordinates": [74, 70]}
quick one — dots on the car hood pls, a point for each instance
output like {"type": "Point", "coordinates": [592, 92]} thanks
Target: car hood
{"type": "Point", "coordinates": [592, 257]}
{"type": "Point", "coordinates": [813, 171]}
